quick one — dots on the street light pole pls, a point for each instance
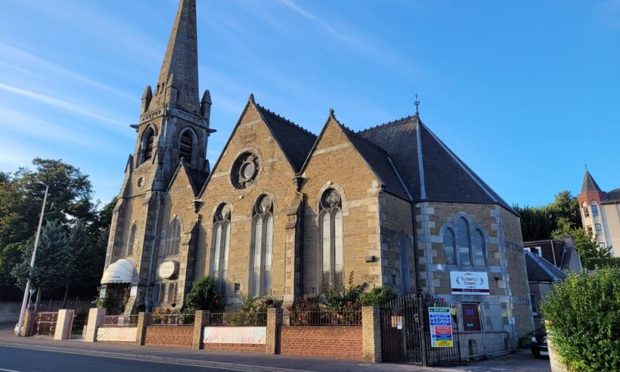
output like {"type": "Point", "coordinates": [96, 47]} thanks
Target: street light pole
{"type": "Point", "coordinates": [34, 255]}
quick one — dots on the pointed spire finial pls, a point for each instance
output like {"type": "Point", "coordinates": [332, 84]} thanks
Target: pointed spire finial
{"type": "Point", "coordinates": [417, 104]}
{"type": "Point", "coordinates": [251, 98]}
{"type": "Point", "coordinates": [332, 113]}
{"type": "Point", "coordinates": [181, 58]}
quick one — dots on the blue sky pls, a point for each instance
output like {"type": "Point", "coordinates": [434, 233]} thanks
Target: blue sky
{"type": "Point", "coordinates": [525, 92]}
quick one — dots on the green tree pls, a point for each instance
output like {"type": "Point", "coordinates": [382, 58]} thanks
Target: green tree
{"type": "Point", "coordinates": [21, 196]}
{"type": "Point", "coordinates": [54, 261]}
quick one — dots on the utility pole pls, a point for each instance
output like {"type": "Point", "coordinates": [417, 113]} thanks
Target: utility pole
{"type": "Point", "coordinates": [20, 323]}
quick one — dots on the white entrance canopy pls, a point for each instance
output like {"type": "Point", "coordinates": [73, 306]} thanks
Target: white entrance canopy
{"type": "Point", "coordinates": [121, 271]}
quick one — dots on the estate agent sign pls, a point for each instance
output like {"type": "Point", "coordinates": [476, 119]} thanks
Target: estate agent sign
{"type": "Point", "coordinates": [470, 283]}
{"type": "Point", "coordinates": [440, 321]}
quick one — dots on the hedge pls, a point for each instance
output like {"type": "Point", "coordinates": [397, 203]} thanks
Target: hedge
{"type": "Point", "coordinates": [583, 318]}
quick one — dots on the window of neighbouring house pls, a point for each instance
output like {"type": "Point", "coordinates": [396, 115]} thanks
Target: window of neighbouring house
{"type": "Point", "coordinates": [594, 210]}
{"type": "Point", "coordinates": [586, 211]}
{"type": "Point", "coordinates": [533, 302]}
{"type": "Point", "coordinates": [598, 227]}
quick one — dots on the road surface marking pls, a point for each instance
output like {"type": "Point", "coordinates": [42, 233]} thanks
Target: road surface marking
{"type": "Point", "coordinates": [8, 370]}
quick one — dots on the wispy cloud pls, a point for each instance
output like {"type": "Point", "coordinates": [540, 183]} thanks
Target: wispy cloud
{"type": "Point", "coordinates": [64, 105]}
{"type": "Point", "coordinates": [21, 57]}
{"type": "Point", "coordinates": [326, 26]}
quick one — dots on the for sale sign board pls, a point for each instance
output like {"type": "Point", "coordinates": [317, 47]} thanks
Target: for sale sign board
{"type": "Point", "coordinates": [440, 322]}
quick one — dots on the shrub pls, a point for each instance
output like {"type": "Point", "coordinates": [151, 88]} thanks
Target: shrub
{"type": "Point", "coordinates": [378, 296]}
{"type": "Point", "coordinates": [203, 296]}
{"type": "Point", "coordinates": [583, 319]}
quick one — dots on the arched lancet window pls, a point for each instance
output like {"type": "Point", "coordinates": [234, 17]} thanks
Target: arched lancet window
{"type": "Point", "coordinates": [332, 246]}
{"type": "Point", "coordinates": [148, 140]}
{"type": "Point", "coordinates": [131, 240]}
{"type": "Point", "coordinates": [463, 241]}
{"type": "Point", "coordinates": [478, 248]}
{"type": "Point", "coordinates": [260, 255]}
{"type": "Point", "coordinates": [173, 238]}
{"type": "Point", "coordinates": [186, 146]}
{"type": "Point", "coordinates": [449, 247]}
{"type": "Point", "coordinates": [220, 245]}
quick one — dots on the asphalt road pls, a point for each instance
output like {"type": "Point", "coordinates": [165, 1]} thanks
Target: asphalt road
{"type": "Point", "coordinates": [24, 360]}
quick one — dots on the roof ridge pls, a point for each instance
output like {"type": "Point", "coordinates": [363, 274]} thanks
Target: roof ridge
{"type": "Point", "coordinates": [286, 121]}
{"type": "Point", "coordinates": [364, 139]}
{"type": "Point", "coordinates": [389, 123]}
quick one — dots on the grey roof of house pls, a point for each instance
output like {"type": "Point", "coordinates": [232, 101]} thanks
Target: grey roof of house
{"type": "Point", "coordinates": [589, 184]}
{"type": "Point", "coordinates": [295, 141]}
{"type": "Point", "coordinates": [430, 170]}
{"type": "Point", "coordinates": [613, 197]}
{"type": "Point", "coordinates": [541, 270]}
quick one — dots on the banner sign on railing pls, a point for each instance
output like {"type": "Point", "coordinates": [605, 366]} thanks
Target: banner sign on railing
{"type": "Point", "coordinates": [440, 322]}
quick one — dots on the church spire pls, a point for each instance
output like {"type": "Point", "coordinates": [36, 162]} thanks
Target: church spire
{"type": "Point", "coordinates": [178, 77]}
{"type": "Point", "coordinates": [589, 184]}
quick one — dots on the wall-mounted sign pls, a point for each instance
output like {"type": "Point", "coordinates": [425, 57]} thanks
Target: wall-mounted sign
{"type": "Point", "coordinates": [471, 317]}
{"type": "Point", "coordinates": [440, 322]}
{"type": "Point", "coordinates": [468, 282]}
{"type": "Point", "coordinates": [167, 269]}
{"type": "Point", "coordinates": [235, 335]}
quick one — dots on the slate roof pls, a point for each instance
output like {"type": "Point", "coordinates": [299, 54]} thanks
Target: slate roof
{"type": "Point", "coordinates": [197, 179]}
{"type": "Point", "coordinates": [430, 171]}
{"type": "Point", "coordinates": [589, 184]}
{"type": "Point", "coordinates": [541, 270]}
{"type": "Point", "coordinates": [613, 197]}
{"type": "Point", "coordinates": [295, 141]}
{"type": "Point", "coordinates": [379, 161]}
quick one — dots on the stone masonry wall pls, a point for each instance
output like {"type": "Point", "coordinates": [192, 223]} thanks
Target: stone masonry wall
{"type": "Point", "coordinates": [335, 163]}
{"type": "Point", "coordinates": [396, 230]}
{"type": "Point", "coordinates": [274, 179]}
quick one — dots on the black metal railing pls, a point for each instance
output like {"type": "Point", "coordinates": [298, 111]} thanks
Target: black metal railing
{"type": "Point", "coordinates": [120, 321]}
{"type": "Point", "coordinates": [238, 319]}
{"type": "Point", "coordinates": [324, 318]}
{"type": "Point", "coordinates": [172, 319]}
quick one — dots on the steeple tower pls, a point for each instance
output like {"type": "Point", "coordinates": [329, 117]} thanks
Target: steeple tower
{"type": "Point", "coordinates": [178, 77]}
{"type": "Point", "coordinates": [174, 121]}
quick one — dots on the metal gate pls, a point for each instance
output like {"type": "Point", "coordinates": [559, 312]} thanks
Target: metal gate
{"type": "Point", "coordinates": [45, 323]}
{"type": "Point", "coordinates": [405, 334]}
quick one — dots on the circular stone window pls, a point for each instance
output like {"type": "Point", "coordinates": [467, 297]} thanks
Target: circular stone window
{"type": "Point", "coordinates": [244, 170]}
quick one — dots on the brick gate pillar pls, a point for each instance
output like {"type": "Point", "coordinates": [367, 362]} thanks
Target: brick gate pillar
{"type": "Point", "coordinates": [95, 320]}
{"type": "Point", "coordinates": [64, 322]}
{"type": "Point", "coordinates": [201, 319]}
{"type": "Point", "coordinates": [274, 321]}
{"type": "Point", "coordinates": [371, 334]}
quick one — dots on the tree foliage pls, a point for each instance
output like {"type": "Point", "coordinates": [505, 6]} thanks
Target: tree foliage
{"type": "Point", "coordinates": [71, 212]}
{"type": "Point", "coordinates": [559, 219]}
{"type": "Point", "coordinates": [583, 314]}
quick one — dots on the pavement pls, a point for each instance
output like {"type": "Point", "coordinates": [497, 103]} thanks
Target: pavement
{"type": "Point", "coordinates": [186, 359]}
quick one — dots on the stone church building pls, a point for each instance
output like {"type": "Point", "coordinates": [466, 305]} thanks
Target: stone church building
{"type": "Point", "coordinates": [284, 212]}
